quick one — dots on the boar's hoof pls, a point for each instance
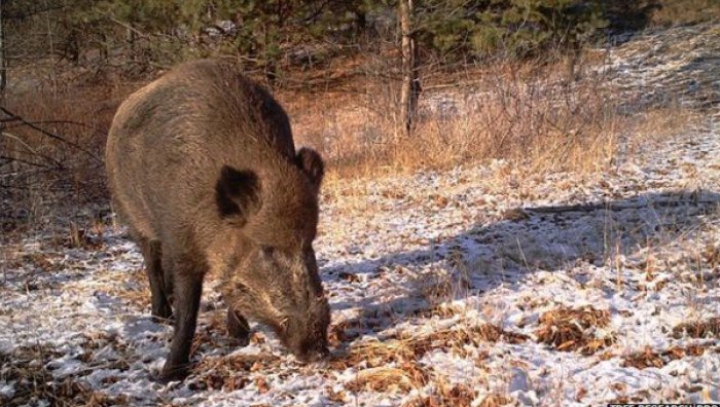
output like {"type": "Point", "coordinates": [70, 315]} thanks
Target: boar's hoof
{"type": "Point", "coordinates": [174, 374]}
{"type": "Point", "coordinates": [238, 327]}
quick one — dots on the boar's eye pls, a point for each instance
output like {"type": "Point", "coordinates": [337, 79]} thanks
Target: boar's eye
{"type": "Point", "coordinates": [267, 250]}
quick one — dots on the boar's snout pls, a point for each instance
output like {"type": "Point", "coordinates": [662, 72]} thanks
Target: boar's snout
{"type": "Point", "coordinates": [282, 289]}
{"type": "Point", "coordinates": [308, 341]}
{"type": "Point", "coordinates": [317, 353]}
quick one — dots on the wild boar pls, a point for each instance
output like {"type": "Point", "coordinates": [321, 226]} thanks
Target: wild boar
{"type": "Point", "coordinates": [202, 167]}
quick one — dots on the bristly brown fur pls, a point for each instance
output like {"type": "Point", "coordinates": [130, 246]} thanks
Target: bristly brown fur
{"type": "Point", "coordinates": [202, 166]}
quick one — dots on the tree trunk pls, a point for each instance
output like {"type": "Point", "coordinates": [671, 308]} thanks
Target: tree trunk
{"type": "Point", "coordinates": [410, 90]}
{"type": "Point", "coordinates": [3, 61]}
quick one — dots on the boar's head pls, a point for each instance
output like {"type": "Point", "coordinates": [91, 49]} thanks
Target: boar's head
{"type": "Point", "coordinates": [271, 275]}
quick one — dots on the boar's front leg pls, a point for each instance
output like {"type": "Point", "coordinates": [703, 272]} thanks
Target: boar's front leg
{"type": "Point", "coordinates": [238, 327]}
{"type": "Point", "coordinates": [152, 255]}
{"type": "Point", "coordinates": [187, 279]}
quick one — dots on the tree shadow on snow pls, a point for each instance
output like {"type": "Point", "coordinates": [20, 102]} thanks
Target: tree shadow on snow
{"type": "Point", "coordinates": [530, 239]}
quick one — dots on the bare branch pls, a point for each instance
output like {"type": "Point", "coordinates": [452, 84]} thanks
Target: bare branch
{"type": "Point", "coordinates": [51, 135]}
{"type": "Point", "coordinates": [32, 151]}
{"type": "Point", "coordinates": [20, 160]}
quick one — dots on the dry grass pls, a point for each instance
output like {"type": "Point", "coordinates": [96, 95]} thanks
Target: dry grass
{"type": "Point", "coordinates": [568, 329]}
{"type": "Point", "coordinates": [525, 113]}
{"type": "Point", "coordinates": [400, 349]}
{"type": "Point", "coordinates": [699, 329]}
{"type": "Point", "coordinates": [388, 366]}
{"type": "Point", "coordinates": [137, 294]}
{"type": "Point", "coordinates": [681, 12]}
{"type": "Point", "coordinates": [35, 385]}
{"type": "Point", "coordinates": [230, 372]}
{"type": "Point", "coordinates": [392, 365]}
{"type": "Point", "coordinates": [456, 395]}
{"type": "Point", "coordinates": [389, 379]}
{"type": "Point", "coordinates": [495, 400]}
{"type": "Point", "coordinates": [652, 358]}
{"type": "Point", "coordinates": [51, 154]}
{"type": "Point", "coordinates": [655, 126]}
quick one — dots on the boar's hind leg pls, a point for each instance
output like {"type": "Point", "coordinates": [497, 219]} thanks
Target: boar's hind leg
{"type": "Point", "coordinates": [152, 254]}
{"type": "Point", "coordinates": [238, 327]}
{"type": "Point", "coordinates": [187, 279]}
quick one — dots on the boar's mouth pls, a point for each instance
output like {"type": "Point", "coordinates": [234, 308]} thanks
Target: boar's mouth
{"type": "Point", "coordinates": [310, 350]}
{"type": "Point", "coordinates": [314, 355]}
{"type": "Point", "coordinates": [308, 341]}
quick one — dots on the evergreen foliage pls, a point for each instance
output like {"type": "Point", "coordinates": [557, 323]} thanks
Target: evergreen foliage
{"type": "Point", "coordinates": [265, 32]}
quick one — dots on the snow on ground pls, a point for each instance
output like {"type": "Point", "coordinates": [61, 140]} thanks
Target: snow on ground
{"type": "Point", "coordinates": [476, 286]}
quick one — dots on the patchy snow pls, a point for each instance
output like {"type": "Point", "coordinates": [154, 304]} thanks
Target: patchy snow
{"type": "Point", "coordinates": [415, 268]}
{"type": "Point", "coordinates": [407, 257]}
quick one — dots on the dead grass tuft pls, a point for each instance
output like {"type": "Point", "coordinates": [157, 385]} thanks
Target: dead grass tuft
{"type": "Point", "coordinates": [644, 359]}
{"type": "Point", "coordinates": [374, 354]}
{"type": "Point", "coordinates": [651, 358]}
{"type": "Point", "coordinates": [495, 400]}
{"type": "Point", "coordinates": [384, 366]}
{"type": "Point", "coordinates": [457, 339]}
{"type": "Point", "coordinates": [403, 379]}
{"type": "Point", "coordinates": [574, 329]}
{"type": "Point", "coordinates": [404, 349]}
{"type": "Point", "coordinates": [698, 329]}
{"type": "Point", "coordinates": [230, 372]}
{"type": "Point", "coordinates": [456, 395]}
{"type": "Point", "coordinates": [392, 365]}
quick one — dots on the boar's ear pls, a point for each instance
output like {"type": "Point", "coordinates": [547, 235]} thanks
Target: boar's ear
{"type": "Point", "coordinates": [237, 194]}
{"type": "Point", "coordinates": [310, 162]}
